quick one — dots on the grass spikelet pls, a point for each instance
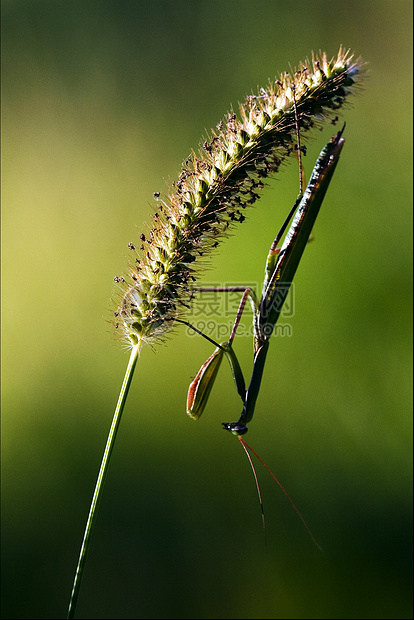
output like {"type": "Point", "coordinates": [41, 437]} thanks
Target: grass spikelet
{"type": "Point", "coordinates": [217, 184]}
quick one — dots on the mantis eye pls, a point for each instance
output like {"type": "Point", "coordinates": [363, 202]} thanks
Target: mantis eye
{"type": "Point", "coordinates": [235, 428]}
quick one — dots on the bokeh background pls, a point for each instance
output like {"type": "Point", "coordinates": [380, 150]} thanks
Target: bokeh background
{"type": "Point", "coordinates": [101, 102]}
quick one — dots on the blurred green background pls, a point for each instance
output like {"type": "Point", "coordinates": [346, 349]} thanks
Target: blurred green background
{"type": "Point", "coordinates": [101, 102]}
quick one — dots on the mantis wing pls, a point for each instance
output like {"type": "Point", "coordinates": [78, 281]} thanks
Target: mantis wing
{"type": "Point", "coordinates": [277, 286]}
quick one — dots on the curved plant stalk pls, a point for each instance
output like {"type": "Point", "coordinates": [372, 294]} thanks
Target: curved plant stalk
{"type": "Point", "coordinates": [200, 209]}
{"type": "Point", "coordinates": [101, 476]}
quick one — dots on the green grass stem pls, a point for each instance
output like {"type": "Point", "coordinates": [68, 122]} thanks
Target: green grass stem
{"type": "Point", "coordinates": [101, 477]}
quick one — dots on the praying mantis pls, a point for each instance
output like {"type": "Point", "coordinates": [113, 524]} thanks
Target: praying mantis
{"type": "Point", "coordinates": [281, 265]}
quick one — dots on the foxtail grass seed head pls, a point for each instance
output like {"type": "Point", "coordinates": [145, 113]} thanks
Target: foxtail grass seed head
{"type": "Point", "coordinates": [216, 185]}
